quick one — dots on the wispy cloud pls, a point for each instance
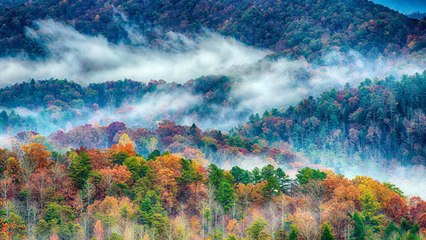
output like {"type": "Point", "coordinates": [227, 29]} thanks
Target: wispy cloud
{"type": "Point", "coordinates": [85, 59]}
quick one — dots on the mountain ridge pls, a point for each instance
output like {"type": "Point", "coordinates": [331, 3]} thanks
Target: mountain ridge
{"type": "Point", "coordinates": [292, 28]}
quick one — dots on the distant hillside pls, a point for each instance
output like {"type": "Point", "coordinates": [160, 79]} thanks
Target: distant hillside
{"type": "Point", "coordinates": [296, 28]}
{"type": "Point", "coordinates": [50, 104]}
{"type": "Point", "coordinates": [378, 119]}
{"type": "Point", "coordinates": [417, 15]}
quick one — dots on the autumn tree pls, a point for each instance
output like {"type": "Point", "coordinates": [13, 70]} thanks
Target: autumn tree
{"type": "Point", "coordinates": [118, 176]}
{"type": "Point", "coordinates": [100, 159]}
{"type": "Point", "coordinates": [372, 218]}
{"type": "Point", "coordinates": [98, 230]}
{"type": "Point", "coordinates": [396, 208]}
{"type": "Point", "coordinates": [38, 184]}
{"type": "Point", "coordinates": [124, 145]}
{"type": "Point", "coordinates": [36, 155]}
{"type": "Point", "coordinates": [12, 226]}
{"type": "Point", "coordinates": [167, 170]}
{"type": "Point", "coordinates": [112, 129]}
{"type": "Point", "coordinates": [113, 212]}
{"type": "Point", "coordinates": [307, 226]}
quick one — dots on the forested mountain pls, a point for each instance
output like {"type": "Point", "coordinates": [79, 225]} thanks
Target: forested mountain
{"type": "Point", "coordinates": [66, 94]}
{"type": "Point", "coordinates": [29, 105]}
{"type": "Point", "coordinates": [200, 158]}
{"type": "Point", "coordinates": [293, 28]}
{"type": "Point", "coordinates": [378, 119]}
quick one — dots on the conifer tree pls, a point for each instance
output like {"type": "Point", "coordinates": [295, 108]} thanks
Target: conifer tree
{"type": "Point", "coordinates": [359, 229]}
{"type": "Point", "coordinates": [326, 233]}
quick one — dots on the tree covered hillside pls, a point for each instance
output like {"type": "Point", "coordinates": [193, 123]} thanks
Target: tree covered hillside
{"type": "Point", "coordinates": [379, 119]}
{"type": "Point", "coordinates": [114, 193]}
{"type": "Point", "coordinates": [294, 28]}
{"type": "Point", "coordinates": [59, 102]}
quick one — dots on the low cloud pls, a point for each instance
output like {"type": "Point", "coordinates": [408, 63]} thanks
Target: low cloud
{"type": "Point", "coordinates": [259, 83]}
{"type": "Point", "coordinates": [87, 59]}
{"type": "Point", "coordinates": [152, 107]}
{"type": "Point", "coordinates": [6, 141]}
{"type": "Point", "coordinates": [279, 83]}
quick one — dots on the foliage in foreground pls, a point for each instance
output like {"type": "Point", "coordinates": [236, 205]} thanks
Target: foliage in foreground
{"type": "Point", "coordinates": [115, 194]}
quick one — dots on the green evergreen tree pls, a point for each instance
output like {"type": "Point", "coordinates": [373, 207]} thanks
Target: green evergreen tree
{"type": "Point", "coordinates": [137, 166]}
{"type": "Point", "coordinates": [226, 196]}
{"type": "Point", "coordinates": [294, 232]}
{"type": "Point", "coordinates": [359, 229]}
{"type": "Point", "coordinates": [391, 231]}
{"type": "Point", "coordinates": [413, 233]}
{"type": "Point", "coordinates": [281, 234]}
{"type": "Point", "coordinates": [326, 233]}
{"type": "Point", "coordinates": [80, 168]}
{"type": "Point", "coordinates": [188, 173]}
{"type": "Point", "coordinates": [405, 226]}
{"type": "Point", "coordinates": [215, 175]}
{"type": "Point", "coordinates": [241, 175]}
{"type": "Point", "coordinates": [153, 155]}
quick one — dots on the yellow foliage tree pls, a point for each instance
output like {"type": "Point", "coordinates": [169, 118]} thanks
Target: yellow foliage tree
{"type": "Point", "coordinates": [125, 144]}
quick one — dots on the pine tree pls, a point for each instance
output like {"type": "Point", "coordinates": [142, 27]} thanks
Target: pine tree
{"type": "Point", "coordinates": [294, 232]}
{"type": "Point", "coordinates": [226, 196]}
{"type": "Point", "coordinates": [326, 233]}
{"type": "Point", "coordinates": [391, 231]}
{"type": "Point", "coordinates": [413, 233]}
{"type": "Point", "coordinates": [359, 229]}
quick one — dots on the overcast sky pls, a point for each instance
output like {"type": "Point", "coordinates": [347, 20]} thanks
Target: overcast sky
{"type": "Point", "coordinates": [404, 6]}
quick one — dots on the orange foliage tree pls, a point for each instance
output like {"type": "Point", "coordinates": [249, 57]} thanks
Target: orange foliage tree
{"type": "Point", "coordinates": [167, 169]}
{"type": "Point", "coordinates": [37, 155]}
{"type": "Point", "coordinates": [125, 144]}
{"type": "Point", "coordinates": [116, 174]}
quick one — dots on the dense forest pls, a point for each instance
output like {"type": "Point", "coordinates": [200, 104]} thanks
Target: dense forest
{"type": "Point", "coordinates": [180, 182]}
{"type": "Point", "coordinates": [115, 193]}
{"type": "Point", "coordinates": [293, 28]}
{"type": "Point", "coordinates": [378, 119]}
{"type": "Point", "coordinates": [68, 95]}
{"type": "Point", "coordinates": [29, 105]}
{"type": "Point", "coordinates": [259, 138]}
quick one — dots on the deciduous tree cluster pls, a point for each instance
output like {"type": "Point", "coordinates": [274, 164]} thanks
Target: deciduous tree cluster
{"type": "Point", "coordinates": [114, 193]}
